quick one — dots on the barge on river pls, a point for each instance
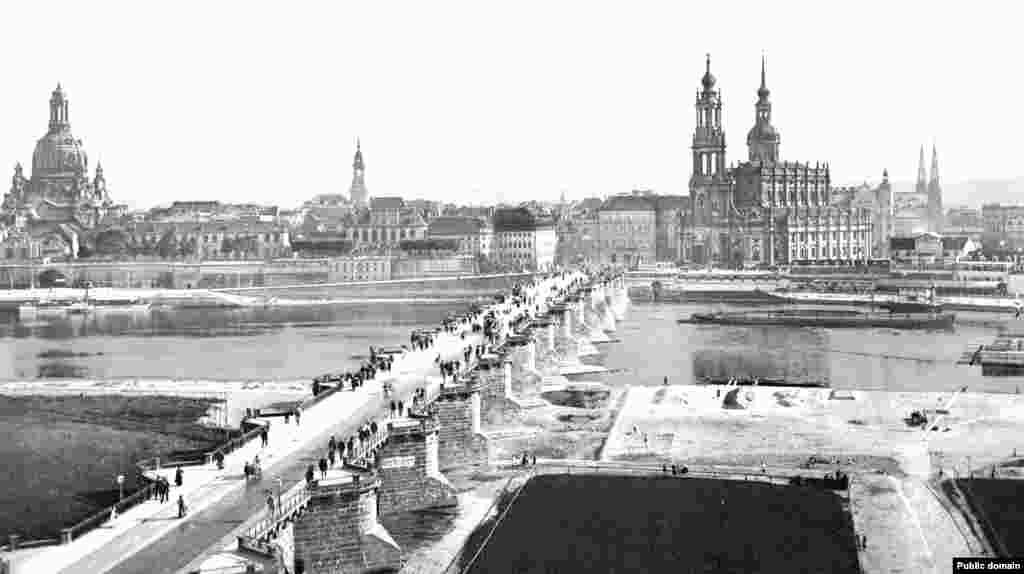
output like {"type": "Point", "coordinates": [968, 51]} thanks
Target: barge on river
{"type": "Point", "coordinates": [759, 381]}
{"type": "Point", "coordinates": [831, 318]}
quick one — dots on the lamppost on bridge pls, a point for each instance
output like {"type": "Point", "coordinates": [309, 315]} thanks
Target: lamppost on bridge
{"type": "Point", "coordinates": [120, 487]}
{"type": "Point", "coordinates": [280, 485]}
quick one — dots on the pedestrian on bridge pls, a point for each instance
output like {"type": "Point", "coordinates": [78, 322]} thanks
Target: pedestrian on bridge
{"type": "Point", "coordinates": [401, 408]}
{"type": "Point", "coordinates": [298, 415]}
{"type": "Point", "coordinates": [178, 476]}
{"type": "Point", "coordinates": [330, 458]}
{"type": "Point", "coordinates": [310, 474]}
{"type": "Point", "coordinates": [182, 509]}
{"type": "Point", "coordinates": [265, 437]}
{"type": "Point", "coordinates": [323, 468]}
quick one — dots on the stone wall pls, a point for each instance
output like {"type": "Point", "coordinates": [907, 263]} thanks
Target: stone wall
{"type": "Point", "coordinates": [339, 532]}
{"type": "Point", "coordinates": [460, 441]}
{"type": "Point", "coordinates": [409, 469]}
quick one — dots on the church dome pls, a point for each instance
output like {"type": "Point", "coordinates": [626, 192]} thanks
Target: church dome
{"type": "Point", "coordinates": [762, 131]}
{"type": "Point", "coordinates": [59, 152]}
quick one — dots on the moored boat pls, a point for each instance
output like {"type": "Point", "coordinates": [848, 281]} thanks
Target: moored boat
{"type": "Point", "coordinates": [830, 318]}
{"type": "Point", "coordinates": [758, 381]}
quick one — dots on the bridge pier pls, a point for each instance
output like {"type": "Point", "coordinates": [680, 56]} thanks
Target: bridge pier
{"type": "Point", "coordinates": [409, 469]}
{"type": "Point", "coordinates": [497, 401]}
{"type": "Point", "coordinates": [339, 533]}
{"type": "Point", "coordinates": [460, 441]}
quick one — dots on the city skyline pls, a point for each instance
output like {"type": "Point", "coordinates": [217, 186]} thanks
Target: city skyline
{"type": "Point", "coordinates": [249, 103]}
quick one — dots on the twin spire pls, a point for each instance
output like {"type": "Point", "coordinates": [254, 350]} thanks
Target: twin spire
{"type": "Point", "coordinates": [922, 176]}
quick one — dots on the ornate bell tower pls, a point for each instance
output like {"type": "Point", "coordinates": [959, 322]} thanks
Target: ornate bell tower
{"type": "Point", "coordinates": [709, 181]}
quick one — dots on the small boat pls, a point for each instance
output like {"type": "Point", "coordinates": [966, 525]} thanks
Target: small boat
{"type": "Point", "coordinates": [54, 307]}
{"type": "Point", "coordinates": [835, 319]}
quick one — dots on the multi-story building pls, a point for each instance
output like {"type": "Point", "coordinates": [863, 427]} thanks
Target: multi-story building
{"type": "Point", "coordinates": [1003, 225]}
{"type": "Point", "coordinates": [965, 221]}
{"type": "Point", "coordinates": [669, 213]}
{"type": "Point", "coordinates": [877, 200]}
{"type": "Point", "coordinates": [202, 240]}
{"type": "Point", "coordinates": [472, 235]}
{"type": "Point", "coordinates": [523, 239]}
{"type": "Point", "coordinates": [765, 210]}
{"type": "Point", "coordinates": [626, 230]}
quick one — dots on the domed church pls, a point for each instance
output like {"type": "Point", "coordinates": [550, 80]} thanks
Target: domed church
{"type": "Point", "coordinates": [48, 212]}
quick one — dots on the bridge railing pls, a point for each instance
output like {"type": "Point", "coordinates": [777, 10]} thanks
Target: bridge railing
{"type": "Point", "coordinates": [293, 500]}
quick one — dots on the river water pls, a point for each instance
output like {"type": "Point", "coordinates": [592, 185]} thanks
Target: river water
{"type": "Point", "coordinates": [300, 341]}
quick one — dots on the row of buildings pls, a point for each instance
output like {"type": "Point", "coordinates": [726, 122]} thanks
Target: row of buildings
{"type": "Point", "coordinates": [61, 211]}
{"type": "Point", "coordinates": [760, 211]}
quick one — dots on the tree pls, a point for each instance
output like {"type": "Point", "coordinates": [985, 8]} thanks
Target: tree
{"type": "Point", "coordinates": [167, 247]}
{"type": "Point", "coordinates": [113, 243]}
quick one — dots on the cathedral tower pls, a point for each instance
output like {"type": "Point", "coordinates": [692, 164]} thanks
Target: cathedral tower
{"type": "Point", "coordinates": [762, 139]}
{"type": "Point", "coordinates": [358, 193]}
{"type": "Point", "coordinates": [935, 214]}
{"type": "Point", "coordinates": [708, 138]}
{"type": "Point", "coordinates": [710, 183]}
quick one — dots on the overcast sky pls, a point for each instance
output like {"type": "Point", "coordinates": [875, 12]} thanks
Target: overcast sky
{"type": "Point", "coordinates": [476, 101]}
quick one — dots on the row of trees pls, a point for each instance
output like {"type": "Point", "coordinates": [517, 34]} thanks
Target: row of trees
{"type": "Point", "coordinates": [117, 243]}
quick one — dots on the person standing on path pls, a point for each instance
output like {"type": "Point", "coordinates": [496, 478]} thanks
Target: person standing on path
{"type": "Point", "coordinates": [323, 468]}
{"type": "Point", "coordinates": [264, 437]}
{"type": "Point", "coordinates": [309, 474]}
{"type": "Point", "coordinates": [298, 415]}
{"type": "Point", "coordinates": [182, 509]}
{"type": "Point", "coordinates": [178, 477]}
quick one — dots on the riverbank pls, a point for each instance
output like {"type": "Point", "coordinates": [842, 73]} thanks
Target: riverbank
{"type": "Point", "coordinates": [60, 454]}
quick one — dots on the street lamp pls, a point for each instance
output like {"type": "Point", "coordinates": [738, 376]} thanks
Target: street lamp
{"type": "Point", "coordinates": [280, 484]}
{"type": "Point", "coordinates": [120, 486]}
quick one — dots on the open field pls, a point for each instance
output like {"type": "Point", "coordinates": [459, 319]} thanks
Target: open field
{"type": "Point", "coordinates": [59, 455]}
{"type": "Point", "coordinates": [625, 524]}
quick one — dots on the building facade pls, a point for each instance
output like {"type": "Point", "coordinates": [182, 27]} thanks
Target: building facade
{"type": "Point", "coordinates": [523, 239]}
{"type": "Point", "coordinates": [627, 230]}
{"type": "Point", "coordinates": [764, 211]}
{"type": "Point", "coordinates": [472, 236]}
{"type": "Point", "coordinates": [1003, 225]}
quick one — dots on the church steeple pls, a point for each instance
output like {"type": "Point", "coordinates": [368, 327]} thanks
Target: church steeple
{"type": "Point", "coordinates": [935, 195]}
{"type": "Point", "coordinates": [58, 111]}
{"type": "Point", "coordinates": [708, 147]}
{"type": "Point", "coordinates": [763, 140]}
{"type": "Point", "coordinates": [358, 193]}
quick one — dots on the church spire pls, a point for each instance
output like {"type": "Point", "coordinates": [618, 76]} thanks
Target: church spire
{"type": "Point", "coordinates": [762, 92]}
{"type": "Point", "coordinates": [935, 165]}
{"type": "Point", "coordinates": [922, 176]}
{"type": "Point", "coordinates": [358, 192]}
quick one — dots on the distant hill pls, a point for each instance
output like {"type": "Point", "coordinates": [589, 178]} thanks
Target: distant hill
{"type": "Point", "coordinates": [975, 193]}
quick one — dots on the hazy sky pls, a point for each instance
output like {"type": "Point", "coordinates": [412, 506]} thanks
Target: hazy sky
{"type": "Point", "coordinates": [474, 101]}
